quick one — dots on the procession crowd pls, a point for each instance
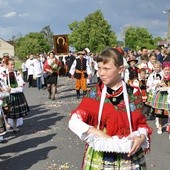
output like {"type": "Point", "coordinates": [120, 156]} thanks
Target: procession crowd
{"type": "Point", "coordinates": [146, 71]}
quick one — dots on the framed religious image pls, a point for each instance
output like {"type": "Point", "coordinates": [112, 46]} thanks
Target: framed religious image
{"type": "Point", "coordinates": [61, 44]}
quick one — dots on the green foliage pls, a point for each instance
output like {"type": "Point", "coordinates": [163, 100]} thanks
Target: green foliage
{"type": "Point", "coordinates": [18, 64]}
{"type": "Point", "coordinates": [48, 35]}
{"type": "Point", "coordinates": [137, 37]}
{"type": "Point", "coordinates": [156, 40]}
{"type": "Point", "coordinates": [32, 43]}
{"type": "Point", "coordinates": [94, 32]}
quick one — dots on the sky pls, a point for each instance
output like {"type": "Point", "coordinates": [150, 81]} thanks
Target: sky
{"type": "Point", "coordinates": [20, 17]}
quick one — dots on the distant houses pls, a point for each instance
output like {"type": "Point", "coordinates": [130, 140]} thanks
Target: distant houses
{"type": "Point", "coordinates": [6, 47]}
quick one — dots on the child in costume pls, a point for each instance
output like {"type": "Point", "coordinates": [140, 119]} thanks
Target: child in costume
{"type": "Point", "coordinates": [19, 107]}
{"type": "Point", "coordinates": [160, 99]}
{"type": "Point", "coordinates": [110, 117]}
{"type": "Point", "coordinates": [131, 73]}
{"type": "Point", "coordinates": [152, 83]}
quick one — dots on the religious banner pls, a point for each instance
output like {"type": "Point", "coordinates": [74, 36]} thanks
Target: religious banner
{"type": "Point", "coordinates": [61, 44]}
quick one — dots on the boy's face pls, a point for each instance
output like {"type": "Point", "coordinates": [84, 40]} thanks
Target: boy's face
{"type": "Point", "coordinates": [132, 63]}
{"type": "Point", "coordinates": [157, 68]}
{"type": "Point", "coordinates": [142, 75]}
{"type": "Point", "coordinates": [152, 59]}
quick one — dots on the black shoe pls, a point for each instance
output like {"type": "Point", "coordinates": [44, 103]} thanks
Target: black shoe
{"type": "Point", "coordinates": [78, 94]}
{"type": "Point", "coordinates": [4, 141]}
{"type": "Point", "coordinates": [53, 98]}
{"type": "Point", "coordinates": [84, 93]}
{"type": "Point", "coordinates": [16, 130]}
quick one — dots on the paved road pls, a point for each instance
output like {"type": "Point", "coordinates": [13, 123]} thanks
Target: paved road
{"type": "Point", "coordinates": [46, 143]}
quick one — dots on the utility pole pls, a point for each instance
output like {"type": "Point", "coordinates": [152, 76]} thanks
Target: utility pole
{"type": "Point", "coordinates": [168, 13]}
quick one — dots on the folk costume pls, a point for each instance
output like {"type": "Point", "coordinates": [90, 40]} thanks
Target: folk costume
{"type": "Point", "coordinates": [18, 104]}
{"type": "Point", "coordinates": [131, 73]}
{"type": "Point", "coordinates": [114, 122]}
{"type": "Point", "coordinates": [152, 82]}
{"type": "Point", "coordinates": [80, 69]}
{"type": "Point", "coordinates": [160, 100]}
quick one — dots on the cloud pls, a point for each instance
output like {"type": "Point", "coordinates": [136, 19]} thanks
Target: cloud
{"type": "Point", "coordinates": [10, 14]}
{"type": "Point", "coordinates": [13, 14]}
{"type": "Point", "coordinates": [22, 15]}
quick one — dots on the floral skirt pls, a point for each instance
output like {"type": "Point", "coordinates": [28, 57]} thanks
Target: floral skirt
{"type": "Point", "coordinates": [94, 160]}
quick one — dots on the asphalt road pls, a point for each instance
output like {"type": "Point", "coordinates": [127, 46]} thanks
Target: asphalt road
{"type": "Point", "coordinates": [46, 143]}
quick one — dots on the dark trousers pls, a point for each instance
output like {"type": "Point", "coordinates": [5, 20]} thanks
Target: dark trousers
{"type": "Point", "coordinates": [30, 80]}
{"type": "Point", "coordinates": [24, 75]}
{"type": "Point", "coordinates": [39, 83]}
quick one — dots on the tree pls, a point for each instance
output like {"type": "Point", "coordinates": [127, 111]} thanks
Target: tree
{"type": "Point", "coordinates": [156, 40]}
{"type": "Point", "coordinates": [48, 35]}
{"type": "Point", "coordinates": [136, 37]}
{"type": "Point", "coordinates": [31, 43]}
{"type": "Point", "coordinates": [94, 32]}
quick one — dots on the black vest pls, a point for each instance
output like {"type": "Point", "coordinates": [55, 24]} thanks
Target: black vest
{"type": "Point", "coordinates": [133, 73]}
{"type": "Point", "coordinates": [81, 66]}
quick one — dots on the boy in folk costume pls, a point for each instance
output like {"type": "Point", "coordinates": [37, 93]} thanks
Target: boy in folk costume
{"type": "Point", "coordinates": [80, 70]}
{"type": "Point", "coordinates": [18, 104]}
{"type": "Point", "coordinates": [131, 73]}
{"type": "Point", "coordinates": [108, 122]}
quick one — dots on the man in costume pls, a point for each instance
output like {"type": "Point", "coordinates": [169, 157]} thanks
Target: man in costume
{"type": "Point", "coordinates": [80, 70]}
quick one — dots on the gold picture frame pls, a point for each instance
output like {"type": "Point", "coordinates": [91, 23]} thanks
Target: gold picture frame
{"type": "Point", "coordinates": [61, 44]}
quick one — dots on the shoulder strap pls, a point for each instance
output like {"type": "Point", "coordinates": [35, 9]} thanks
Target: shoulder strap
{"type": "Point", "coordinates": [126, 99]}
{"type": "Point", "coordinates": [101, 105]}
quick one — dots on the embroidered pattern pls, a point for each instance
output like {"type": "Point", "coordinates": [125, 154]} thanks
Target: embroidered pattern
{"type": "Point", "coordinates": [135, 100]}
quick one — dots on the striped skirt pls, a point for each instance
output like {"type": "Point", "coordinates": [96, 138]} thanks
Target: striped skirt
{"type": "Point", "coordinates": [150, 98]}
{"type": "Point", "coordinates": [19, 106]}
{"type": "Point", "coordinates": [160, 104]}
{"type": "Point", "coordinates": [94, 160]}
